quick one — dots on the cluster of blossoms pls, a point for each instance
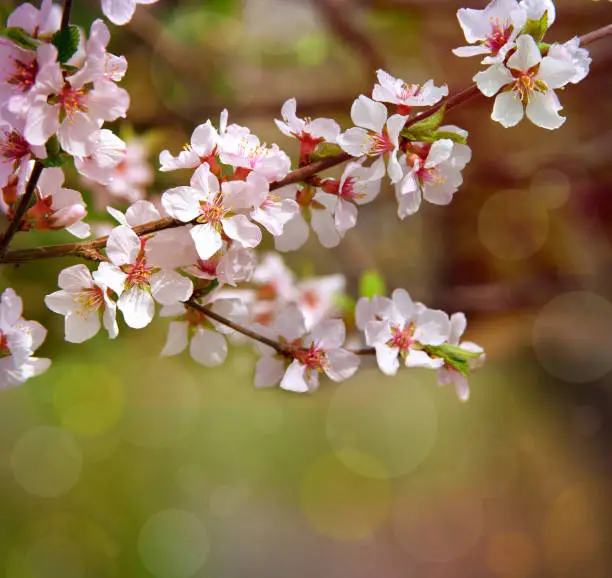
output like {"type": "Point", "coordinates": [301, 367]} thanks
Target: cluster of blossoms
{"type": "Point", "coordinates": [193, 253]}
{"type": "Point", "coordinates": [523, 72]}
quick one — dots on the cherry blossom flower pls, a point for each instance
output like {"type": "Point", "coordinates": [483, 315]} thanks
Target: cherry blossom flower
{"type": "Point", "coordinates": [309, 132]}
{"type": "Point", "coordinates": [39, 23]}
{"type": "Point", "coordinates": [15, 152]}
{"type": "Point", "coordinates": [106, 151]}
{"type": "Point", "coordinates": [406, 96]}
{"type": "Point", "coordinates": [432, 172]}
{"type": "Point", "coordinates": [571, 52]}
{"type": "Point", "coordinates": [448, 374]}
{"type": "Point", "coordinates": [535, 9]}
{"type": "Point", "coordinates": [236, 265]}
{"type": "Point", "coordinates": [207, 345]}
{"type": "Point", "coordinates": [18, 341]}
{"type": "Point", "coordinates": [120, 12]}
{"type": "Point", "coordinates": [357, 186]}
{"type": "Point", "coordinates": [318, 352]}
{"type": "Point", "coordinates": [492, 31]}
{"type": "Point", "coordinates": [374, 135]}
{"type": "Point", "coordinates": [80, 300]}
{"type": "Point", "coordinates": [399, 327]}
{"type": "Point", "coordinates": [212, 209]}
{"type": "Point", "coordinates": [530, 81]}
{"type": "Point", "coordinates": [318, 297]}
{"type": "Point", "coordinates": [57, 207]}
{"type": "Point", "coordinates": [136, 280]}
{"type": "Point", "coordinates": [271, 210]}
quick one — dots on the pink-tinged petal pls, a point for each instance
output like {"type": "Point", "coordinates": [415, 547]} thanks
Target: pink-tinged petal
{"type": "Point", "coordinates": [185, 160]}
{"type": "Point", "coordinates": [440, 151]}
{"type": "Point", "coordinates": [355, 141]}
{"type": "Point", "coordinates": [535, 9]}
{"type": "Point", "coordinates": [75, 278]}
{"type": "Point", "coordinates": [123, 245]}
{"type": "Point", "coordinates": [182, 203]}
{"type": "Point", "coordinates": [79, 328]}
{"type": "Point", "coordinates": [269, 371]}
{"type": "Point", "coordinates": [177, 339]}
{"type": "Point", "coordinates": [364, 312]}
{"type": "Point", "coordinates": [329, 334]}
{"type": "Point", "coordinates": [290, 323]}
{"type": "Point", "coordinates": [474, 23]}
{"type": "Point", "coordinates": [342, 364]}
{"type": "Point", "coordinates": [322, 223]}
{"type": "Point", "coordinates": [395, 124]}
{"type": "Point", "coordinates": [507, 110]}
{"type": "Point", "coordinates": [240, 229]}
{"type": "Point", "coordinates": [203, 180]}
{"type": "Point", "coordinates": [432, 327]}
{"type": "Point", "coordinates": [109, 318]}
{"type": "Point", "coordinates": [75, 133]}
{"type": "Point", "coordinates": [345, 217]}
{"type": "Point", "coordinates": [556, 73]}
{"type": "Point", "coordinates": [416, 358]}
{"type": "Point", "coordinates": [324, 128]}
{"type": "Point", "coordinates": [377, 331]}
{"type": "Point", "coordinates": [207, 240]}
{"type": "Point", "coordinates": [230, 308]}
{"type": "Point", "coordinates": [467, 51]}
{"type": "Point", "coordinates": [394, 169]}
{"type": "Point", "coordinates": [403, 303]}
{"type": "Point", "coordinates": [119, 12]}
{"type": "Point", "coordinates": [141, 212]}
{"type": "Point", "coordinates": [110, 276]}
{"type": "Point", "coordinates": [409, 203]}
{"type": "Point", "coordinates": [137, 307]}
{"type": "Point", "coordinates": [168, 287]}
{"type": "Point", "coordinates": [491, 80]}
{"type": "Point", "coordinates": [295, 234]}
{"type": "Point", "coordinates": [42, 121]}
{"type": "Point", "coordinates": [204, 139]}
{"type": "Point", "coordinates": [107, 101]}
{"type": "Point", "coordinates": [61, 302]}
{"type": "Point", "coordinates": [387, 360]}
{"type": "Point", "coordinates": [208, 347]}
{"type": "Point", "coordinates": [49, 79]}
{"type": "Point", "coordinates": [274, 217]}
{"type": "Point", "coordinates": [543, 110]}
{"type": "Point", "coordinates": [295, 378]}
{"type": "Point", "coordinates": [527, 54]}
{"type": "Point", "coordinates": [171, 248]}
{"type": "Point", "coordinates": [458, 323]}
{"type": "Point", "coordinates": [369, 114]}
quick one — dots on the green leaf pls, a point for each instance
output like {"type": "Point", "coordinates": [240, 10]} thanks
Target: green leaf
{"type": "Point", "coordinates": [430, 123]}
{"type": "Point", "coordinates": [453, 355]}
{"type": "Point", "coordinates": [537, 28]}
{"type": "Point", "coordinates": [20, 37]}
{"type": "Point", "coordinates": [435, 135]}
{"type": "Point", "coordinates": [371, 283]}
{"type": "Point", "coordinates": [66, 41]}
{"type": "Point", "coordinates": [325, 150]}
{"type": "Point", "coordinates": [55, 160]}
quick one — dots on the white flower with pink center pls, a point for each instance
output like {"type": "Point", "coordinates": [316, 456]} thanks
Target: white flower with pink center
{"type": "Point", "coordinates": [70, 105]}
{"type": "Point", "coordinates": [137, 281]}
{"type": "Point", "coordinates": [81, 301]}
{"type": "Point", "coordinates": [530, 81]}
{"type": "Point", "coordinates": [271, 210]}
{"type": "Point", "coordinates": [57, 207]}
{"type": "Point", "coordinates": [15, 152]}
{"type": "Point", "coordinates": [398, 327]}
{"type": "Point", "coordinates": [204, 337]}
{"type": "Point", "coordinates": [448, 374]}
{"type": "Point", "coordinates": [212, 209]}
{"type": "Point", "coordinates": [318, 297]}
{"type": "Point", "coordinates": [309, 132]}
{"type": "Point", "coordinates": [318, 352]}
{"type": "Point", "coordinates": [106, 152]}
{"type": "Point", "coordinates": [406, 96]}
{"type": "Point", "coordinates": [236, 265]}
{"type": "Point", "coordinates": [18, 341]}
{"type": "Point", "coordinates": [491, 32]}
{"type": "Point", "coordinates": [40, 22]}
{"type": "Point", "coordinates": [374, 135]}
{"type": "Point", "coordinates": [120, 12]}
{"type": "Point", "coordinates": [433, 172]}
{"type": "Point", "coordinates": [571, 52]}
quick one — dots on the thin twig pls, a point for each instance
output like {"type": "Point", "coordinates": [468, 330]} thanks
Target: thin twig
{"type": "Point", "coordinates": [21, 210]}
{"type": "Point", "coordinates": [66, 14]}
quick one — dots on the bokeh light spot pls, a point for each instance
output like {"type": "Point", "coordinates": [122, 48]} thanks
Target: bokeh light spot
{"type": "Point", "coordinates": [511, 226]}
{"type": "Point", "coordinates": [393, 420]}
{"type": "Point", "coordinates": [173, 544]}
{"type": "Point", "coordinates": [552, 187]}
{"type": "Point", "coordinates": [572, 335]}
{"type": "Point", "coordinates": [512, 555]}
{"type": "Point", "coordinates": [47, 461]}
{"type": "Point", "coordinates": [341, 504]}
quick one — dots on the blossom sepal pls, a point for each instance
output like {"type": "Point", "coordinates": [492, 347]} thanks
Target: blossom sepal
{"type": "Point", "coordinates": [537, 28]}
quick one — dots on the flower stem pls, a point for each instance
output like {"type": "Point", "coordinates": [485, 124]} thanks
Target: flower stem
{"type": "Point", "coordinates": [66, 14]}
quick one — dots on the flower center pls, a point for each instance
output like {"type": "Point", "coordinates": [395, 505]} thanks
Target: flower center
{"type": "Point", "coordinates": [310, 299]}
{"type": "Point", "coordinates": [194, 317]}
{"type": "Point", "coordinates": [24, 74]}
{"type": "Point", "coordinates": [212, 212]}
{"type": "Point", "coordinates": [266, 292]}
{"type": "Point", "coordinates": [431, 176]}
{"type": "Point", "coordinates": [13, 146]}
{"type": "Point", "coordinates": [88, 300]}
{"type": "Point", "coordinates": [4, 349]}
{"type": "Point", "coordinates": [525, 85]}
{"type": "Point", "coordinates": [72, 100]}
{"type": "Point", "coordinates": [499, 35]}
{"type": "Point", "coordinates": [379, 144]}
{"type": "Point", "coordinates": [313, 358]}
{"type": "Point", "coordinates": [348, 190]}
{"type": "Point", "coordinates": [138, 273]}
{"type": "Point", "coordinates": [402, 338]}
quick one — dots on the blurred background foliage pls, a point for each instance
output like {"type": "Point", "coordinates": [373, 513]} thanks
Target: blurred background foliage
{"type": "Point", "coordinates": [119, 463]}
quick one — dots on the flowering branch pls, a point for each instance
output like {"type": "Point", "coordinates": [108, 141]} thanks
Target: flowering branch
{"type": "Point", "coordinates": [66, 14]}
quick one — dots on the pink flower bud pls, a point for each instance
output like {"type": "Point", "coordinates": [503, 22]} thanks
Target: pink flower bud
{"type": "Point", "coordinates": [67, 216]}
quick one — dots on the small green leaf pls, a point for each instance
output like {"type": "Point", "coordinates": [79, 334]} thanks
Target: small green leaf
{"type": "Point", "coordinates": [453, 355]}
{"type": "Point", "coordinates": [430, 123]}
{"type": "Point", "coordinates": [537, 28]}
{"type": "Point", "coordinates": [55, 160]}
{"type": "Point", "coordinates": [325, 150]}
{"type": "Point", "coordinates": [371, 283]}
{"type": "Point", "coordinates": [20, 37]}
{"type": "Point", "coordinates": [66, 41]}
{"type": "Point", "coordinates": [436, 135]}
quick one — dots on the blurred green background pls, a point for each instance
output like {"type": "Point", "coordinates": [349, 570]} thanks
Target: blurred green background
{"type": "Point", "coordinates": [119, 463]}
